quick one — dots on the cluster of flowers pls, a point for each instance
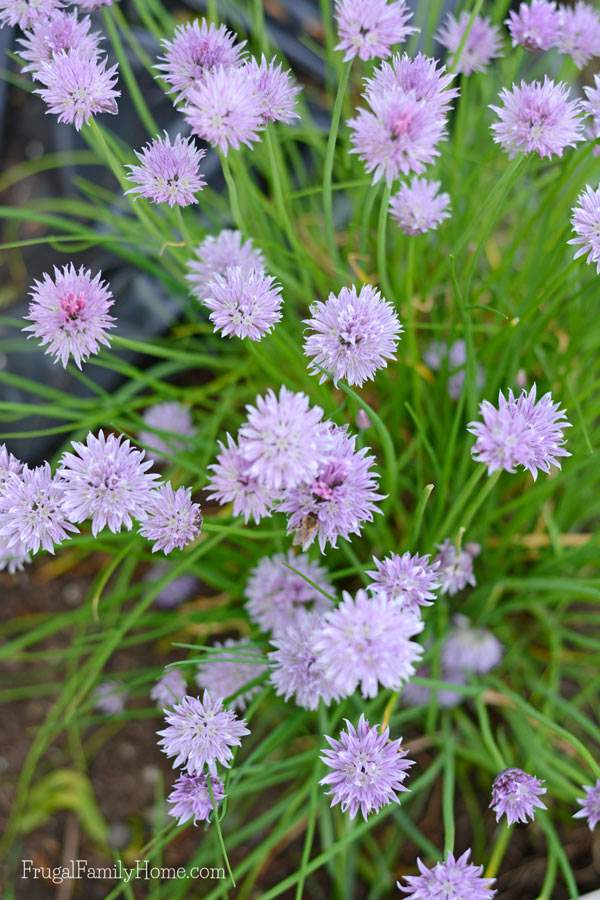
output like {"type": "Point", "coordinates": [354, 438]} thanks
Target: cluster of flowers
{"type": "Point", "coordinates": [542, 25]}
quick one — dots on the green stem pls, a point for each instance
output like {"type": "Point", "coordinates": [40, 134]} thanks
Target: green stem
{"type": "Point", "coordinates": [381, 243]}
{"type": "Point", "coordinates": [234, 201]}
{"type": "Point", "coordinates": [218, 827]}
{"type": "Point", "coordinates": [498, 850]}
{"type": "Point", "coordinates": [277, 183]}
{"type": "Point", "coordinates": [329, 157]}
{"type": "Point", "coordinates": [448, 790]}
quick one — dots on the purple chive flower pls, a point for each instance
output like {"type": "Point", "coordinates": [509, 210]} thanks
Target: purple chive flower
{"type": "Point", "coordinates": [32, 511]}
{"type": "Point", "coordinates": [468, 649]}
{"type": "Point", "coordinates": [456, 566]}
{"type": "Point", "coordinates": [362, 420]}
{"type": "Point", "coordinates": [173, 422]}
{"type": "Point", "coordinates": [368, 768]}
{"type": "Point", "coordinates": [454, 879]}
{"type": "Point", "coordinates": [106, 480]}
{"type": "Point", "coordinates": [338, 499]}
{"type": "Point", "coordinates": [225, 109]}
{"type": "Point", "coordinates": [296, 668]}
{"type": "Point", "coordinates": [168, 172]}
{"type": "Point", "coordinates": [453, 357]}
{"type": "Point", "coordinates": [419, 694]}
{"type": "Point", "coordinates": [169, 689]}
{"type": "Point", "coordinates": [537, 118]}
{"type": "Point", "coordinates": [483, 44]}
{"type": "Point", "coordinates": [26, 13]}
{"type": "Point", "coordinates": [366, 642]}
{"type": "Point", "coordinates": [9, 464]}
{"type": "Point", "coordinates": [61, 31]}
{"type": "Point", "coordinates": [370, 29]}
{"type": "Point", "coordinates": [78, 86]}
{"type": "Point", "coordinates": [522, 432]}
{"type": "Point", "coordinates": [226, 672]}
{"type": "Point", "coordinates": [69, 314]}
{"type": "Point", "coordinates": [14, 558]}
{"type": "Point", "coordinates": [277, 596]}
{"type": "Point", "coordinates": [579, 34]}
{"type": "Point", "coordinates": [590, 805]}
{"type": "Point", "coordinates": [516, 795]}
{"type": "Point", "coordinates": [217, 254]}
{"type": "Point", "coordinates": [232, 482]}
{"type": "Point", "coordinates": [196, 49]}
{"type": "Point", "coordinates": [585, 220]}
{"type": "Point", "coordinates": [591, 106]}
{"type": "Point", "coordinates": [420, 76]}
{"type": "Point", "coordinates": [176, 591]}
{"type": "Point", "coordinates": [201, 733]}
{"type": "Point", "coordinates": [110, 698]}
{"type": "Point", "coordinates": [284, 439]}
{"type": "Point", "coordinates": [535, 26]}
{"type": "Point", "coordinates": [276, 89]}
{"type": "Point", "coordinates": [244, 304]}
{"type": "Point", "coordinates": [190, 798]}
{"type": "Point", "coordinates": [408, 581]}
{"type": "Point", "coordinates": [171, 519]}
{"type": "Point", "coordinates": [352, 335]}
{"type": "Point", "coordinates": [418, 207]}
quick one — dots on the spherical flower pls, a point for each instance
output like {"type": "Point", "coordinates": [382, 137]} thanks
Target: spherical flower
{"type": "Point", "coordinates": [225, 109]}
{"type": "Point", "coordinates": [69, 314]}
{"type": "Point", "coordinates": [421, 76]}
{"type": "Point", "coordinates": [579, 34]}
{"type": "Point", "coordinates": [483, 43]}
{"type": "Point", "coordinates": [455, 570]}
{"type": "Point", "coordinates": [78, 86]}
{"type": "Point", "coordinates": [453, 879]}
{"type": "Point", "coordinates": [171, 519]}
{"type": "Point", "coordinates": [537, 118]}
{"type": "Point", "coordinates": [591, 106]}
{"type": "Point", "coordinates": [32, 511]}
{"type": "Point", "coordinates": [244, 304]}
{"type": "Point", "coordinates": [168, 172]}
{"type": "Point", "coordinates": [535, 25]}
{"type": "Point", "coordinates": [169, 689]}
{"type": "Point", "coordinates": [522, 432]}
{"type": "Point", "coordinates": [368, 769]}
{"type": "Point", "coordinates": [585, 220]}
{"type": "Point", "coordinates": [231, 481]}
{"type": "Point", "coordinates": [190, 798]}
{"type": "Point", "coordinates": [201, 733]}
{"type": "Point", "coordinates": [516, 795]}
{"type": "Point", "coordinates": [468, 649]}
{"type": "Point", "coordinates": [26, 13]}
{"type": "Point", "coordinates": [277, 596]}
{"type": "Point", "coordinates": [106, 480]}
{"type": "Point", "coordinates": [418, 207]}
{"type": "Point", "coordinates": [370, 29]}
{"type": "Point", "coordinates": [176, 591]}
{"type": "Point", "coordinates": [60, 31]}
{"type": "Point", "coordinates": [366, 642]}
{"type": "Point", "coordinates": [195, 49]}
{"type": "Point", "coordinates": [419, 694]}
{"type": "Point", "coordinates": [8, 464]}
{"type": "Point", "coordinates": [352, 335]}
{"type": "Point", "coordinates": [110, 698]}
{"type": "Point", "coordinates": [339, 498]}
{"type": "Point", "coordinates": [14, 558]}
{"type": "Point", "coordinates": [296, 669]}
{"type": "Point", "coordinates": [217, 254]}
{"type": "Point", "coordinates": [174, 423]}
{"type": "Point", "coordinates": [227, 671]}
{"type": "Point", "coordinates": [408, 581]}
{"type": "Point", "coordinates": [276, 89]}
{"type": "Point", "coordinates": [590, 805]}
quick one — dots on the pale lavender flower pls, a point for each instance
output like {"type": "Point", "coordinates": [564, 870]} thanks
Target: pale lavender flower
{"type": "Point", "coordinates": [110, 698]}
{"type": "Point", "coordinates": [591, 106]}
{"type": "Point", "coordinates": [516, 795]}
{"type": "Point", "coordinates": [467, 649]}
{"type": "Point", "coordinates": [232, 482]}
{"type": "Point", "coordinates": [352, 335]}
{"type": "Point", "coordinates": [217, 254]}
{"type": "Point", "coordinates": [419, 694]}
{"type": "Point", "coordinates": [8, 464]}
{"type": "Point", "coordinates": [366, 642]}
{"type": "Point", "coordinates": [174, 423]}
{"type": "Point", "coordinates": [14, 558]}
{"type": "Point", "coordinates": [522, 432]}
{"type": "Point", "coordinates": [225, 109]}
{"type": "Point", "coordinates": [78, 86]}
{"type": "Point", "coordinates": [338, 499]}
{"type": "Point", "coordinates": [420, 76]}
{"type": "Point", "coordinates": [535, 25]}
{"type": "Point", "coordinates": [362, 420]}
{"type": "Point", "coordinates": [408, 581]}
{"type": "Point", "coordinates": [69, 314]}
{"type": "Point", "coordinates": [32, 511]}
{"type": "Point", "coordinates": [244, 304]}
{"type": "Point", "coordinates": [61, 31]}
{"type": "Point", "coordinates": [537, 118]}
{"type": "Point", "coordinates": [296, 668]}
{"type": "Point", "coordinates": [590, 805]}
{"type": "Point", "coordinates": [579, 34]}
{"type": "Point", "coordinates": [277, 596]}
{"type": "Point", "coordinates": [585, 220]}
{"type": "Point", "coordinates": [453, 879]}
{"type": "Point", "coordinates": [276, 90]}
{"type": "Point", "coordinates": [230, 669]}
{"type": "Point", "coordinates": [453, 356]}
{"type": "Point", "coordinates": [201, 733]}
{"type": "Point", "coordinates": [176, 591]}
{"type": "Point", "coordinates": [170, 519]}
{"type": "Point", "coordinates": [368, 768]}
{"type": "Point", "coordinates": [418, 207]}
{"type": "Point", "coordinates": [196, 49]}
{"type": "Point", "coordinates": [26, 13]}
{"type": "Point", "coordinates": [483, 43]}
{"type": "Point", "coordinates": [168, 172]}
{"type": "Point", "coordinates": [169, 689]}
{"type": "Point", "coordinates": [456, 566]}
{"type": "Point", "coordinates": [370, 28]}
{"type": "Point", "coordinates": [190, 798]}
{"type": "Point", "coordinates": [106, 480]}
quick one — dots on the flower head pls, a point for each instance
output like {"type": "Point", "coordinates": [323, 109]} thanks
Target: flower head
{"type": "Point", "coordinates": [352, 335]}
{"type": "Point", "coordinates": [26, 13]}
{"type": "Point", "coordinates": [169, 689]}
{"type": "Point", "coordinates": [173, 422]}
{"type": "Point", "coordinates": [453, 879]}
{"type": "Point", "coordinates": [171, 519]}
{"type": "Point", "coordinates": [60, 31]}
{"type": "Point", "coordinates": [13, 558]}
{"type": "Point", "coordinates": [420, 76]}
{"type": "Point", "coordinates": [368, 768]}
{"type": "Point", "coordinates": [196, 49]}
{"type": "Point", "coordinates": [276, 89]}
{"type": "Point", "coordinates": [244, 304]}
{"type": "Point", "coordinates": [370, 29]}
{"type": "Point", "coordinates": [591, 106]}
{"type": "Point", "coordinates": [579, 34]}
{"type": "Point", "coordinates": [69, 314]}
{"type": "Point", "coordinates": [225, 109]}
{"type": "Point", "coordinates": [228, 670]}
{"type": "Point", "coordinates": [32, 511]}
{"type": "Point", "coordinates": [452, 357]}
{"type": "Point", "coordinates": [590, 805]}
{"type": "Point", "coordinates": [409, 581]}
{"type": "Point", "coordinates": [277, 595]}
{"type": "Point", "coordinates": [456, 566]}
{"type": "Point", "coordinates": [516, 795]}
{"type": "Point", "coordinates": [190, 798]}
{"type": "Point", "coordinates": [231, 481]}
{"type": "Point", "coordinates": [8, 464]}
{"type": "Point", "coordinates": [110, 698]}
{"type": "Point", "coordinates": [78, 86]}
{"type": "Point", "coordinates": [535, 25]}
{"type": "Point", "coordinates": [168, 172]}
{"type": "Point", "coordinates": [418, 207]}
{"type": "Point", "coordinates": [585, 220]}
{"type": "Point", "coordinates": [296, 668]}
{"type": "Point", "coordinates": [483, 42]}
{"type": "Point", "coordinates": [217, 254]}
{"type": "Point", "coordinates": [468, 649]}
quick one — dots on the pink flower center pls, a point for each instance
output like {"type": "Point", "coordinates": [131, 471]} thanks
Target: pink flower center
{"type": "Point", "coordinates": [401, 123]}
{"type": "Point", "coordinates": [72, 305]}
